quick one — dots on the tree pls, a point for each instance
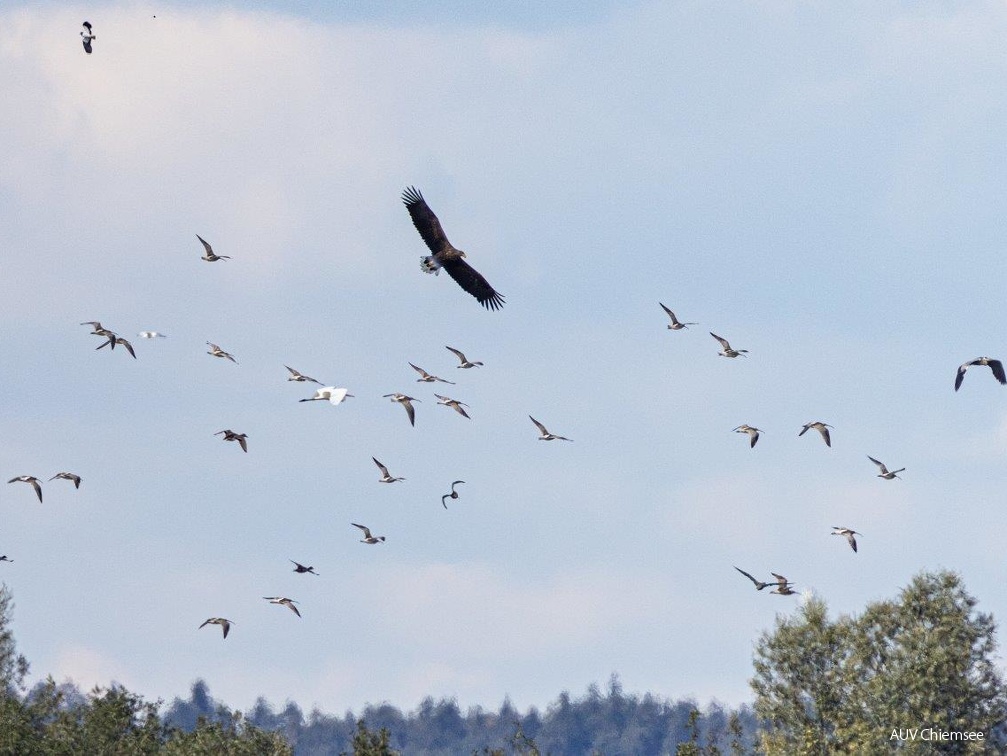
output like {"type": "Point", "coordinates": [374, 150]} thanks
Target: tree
{"type": "Point", "coordinates": [367, 743]}
{"type": "Point", "coordinates": [923, 661]}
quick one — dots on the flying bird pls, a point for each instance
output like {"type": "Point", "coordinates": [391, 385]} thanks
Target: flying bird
{"type": "Point", "coordinates": [406, 402]}
{"type": "Point", "coordinates": [753, 433]}
{"type": "Point", "coordinates": [87, 37]}
{"type": "Point", "coordinates": [546, 435]}
{"type": "Point", "coordinates": [209, 255]}
{"type": "Point", "coordinates": [465, 363]}
{"type": "Point", "coordinates": [216, 351]}
{"type": "Point", "coordinates": [445, 255]}
{"type": "Point", "coordinates": [300, 568]}
{"type": "Point", "coordinates": [725, 347]}
{"type": "Point", "coordinates": [225, 624]}
{"type": "Point", "coordinates": [452, 495]}
{"type": "Point", "coordinates": [97, 329]}
{"type": "Point", "coordinates": [822, 428]}
{"type": "Point", "coordinates": [29, 479]}
{"type": "Point", "coordinates": [230, 435]}
{"type": "Point", "coordinates": [759, 585]}
{"type": "Point", "coordinates": [995, 365]}
{"type": "Point", "coordinates": [67, 476]}
{"type": "Point", "coordinates": [385, 475]}
{"type": "Point", "coordinates": [282, 601]}
{"type": "Point", "coordinates": [840, 531]}
{"type": "Point", "coordinates": [5, 559]}
{"type": "Point", "coordinates": [453, 404]}
{"type": "Point", "coordinates": [782, 586]}
{"type": "Point", "coordinates": [675, 325]}
{"type": "Point", "coordinates": [425, 377]}
{"type": "Point", "coordinates": [151, 335]}
{"type": "Point", "coordinates": [329, 394]}
{"type": "Point", "coordinates": [112, 340]}
{"type": "Point", "coordinates": [300, 377]}
{"type": "Point", "coordinates": [368, 538]}
{"type": "Point", "coordinates": [885, 473]}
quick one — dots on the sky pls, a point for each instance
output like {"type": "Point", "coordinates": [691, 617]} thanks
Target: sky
{"type": "Point", "coordinates": [822, 184]}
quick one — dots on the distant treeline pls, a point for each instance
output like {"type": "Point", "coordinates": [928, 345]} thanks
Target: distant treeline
{"type": "Point", "coordinates": [609, 723]}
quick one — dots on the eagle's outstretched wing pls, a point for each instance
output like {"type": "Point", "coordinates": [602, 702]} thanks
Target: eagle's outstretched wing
{"type": "Point", "coordinates": [473, 282]}
{"type": "Point", "coordinates": [425, 221]}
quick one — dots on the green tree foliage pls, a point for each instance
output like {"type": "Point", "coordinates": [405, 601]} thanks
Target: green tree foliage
{"type": "Point", "coordinates": [367, 743]}
{"type": "Point", "coordinates": [925, 660]}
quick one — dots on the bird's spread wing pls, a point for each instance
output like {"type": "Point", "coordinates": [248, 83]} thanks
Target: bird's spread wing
{"type": "Point", "coordinates": [723, 342]}
{"type": "Point", "coordinates": [539, 425]}
{"type": "Point", "coordinates": [384, 470]}
{"type": "Point", "coordinates": [425, 220]}
{"type": "Point", "coordinates": [998, 370]}
{"type": "Point", "coordinates": [747, 575]}
{"type": "Point", "coordinates": [456, 353]}
{"type": "Point", "coordinates": [206, 245]}
{"type": "Point", "coordinates": [474, 283]}
{"type": "Point", "coordinates": [367, 530]}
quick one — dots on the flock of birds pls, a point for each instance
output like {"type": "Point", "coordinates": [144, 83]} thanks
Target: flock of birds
{"type": "Point", "coordinates": [784, 587]}
{"type": "Point", "coordinates": [443, 255]}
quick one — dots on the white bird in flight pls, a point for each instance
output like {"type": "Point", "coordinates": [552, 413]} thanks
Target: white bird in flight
{"type": "Point", "coordinates": [330, 394]}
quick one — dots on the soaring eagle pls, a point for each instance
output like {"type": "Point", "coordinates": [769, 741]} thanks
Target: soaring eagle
{"type": "Point", "coordinates": [445, 255]}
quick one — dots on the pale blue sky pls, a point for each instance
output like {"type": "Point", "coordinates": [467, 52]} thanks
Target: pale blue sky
{"type": "Point", "coordinates": [821, 184]}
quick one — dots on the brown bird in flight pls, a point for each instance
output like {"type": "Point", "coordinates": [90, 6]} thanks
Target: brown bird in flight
{"type": "Point", "coordinates": [445, 255]}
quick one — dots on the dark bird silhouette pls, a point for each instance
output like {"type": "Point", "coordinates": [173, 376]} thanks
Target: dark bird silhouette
{"type": "Point", "coordinates": [452, 495]}
{"type": "Point", "coordinates": [445, 255]}
{"type": "Point", "coordinates": [300, 568]}
{"type": "Point", "coordinates": [87, 37]}
{"type": "Point", "coordinates": [995, 365]}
